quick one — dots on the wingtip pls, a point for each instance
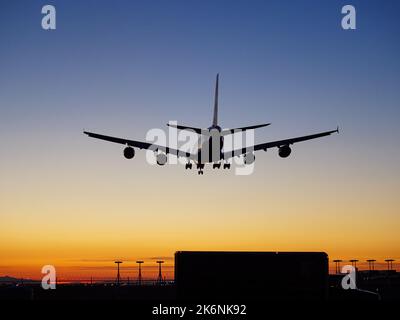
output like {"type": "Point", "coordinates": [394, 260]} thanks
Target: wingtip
{"type": "Point", "coordinates": [337, 129]}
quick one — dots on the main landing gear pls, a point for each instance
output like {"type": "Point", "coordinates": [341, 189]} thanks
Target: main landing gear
{"type": "Point", "coordinates": [188, 166]}
{"type": "Point", "coordinates": [200, 167]}
{"type": "Point", "coordinates": [217, 165]}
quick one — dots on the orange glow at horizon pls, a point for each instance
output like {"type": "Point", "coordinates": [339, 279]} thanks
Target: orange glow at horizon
{"type": "Point", "coordinates": [129, 272]}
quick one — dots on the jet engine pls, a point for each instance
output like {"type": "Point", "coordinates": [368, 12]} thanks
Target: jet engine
{"type": "Point", "coordinates": [129, 152]}
{"type": "Point", "coordinates": [161, 159]}
{"type": "Point", "coordinates": [284, 151]}
{"type": "Point", "coordinates": [249, 158]}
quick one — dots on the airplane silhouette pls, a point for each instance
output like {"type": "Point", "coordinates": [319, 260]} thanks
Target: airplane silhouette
{"type": "Point", "coordinates": [210, 149]}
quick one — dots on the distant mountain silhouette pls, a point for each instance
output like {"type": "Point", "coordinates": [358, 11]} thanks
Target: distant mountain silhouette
{"type": "Point", "coordinates": [8, 279]}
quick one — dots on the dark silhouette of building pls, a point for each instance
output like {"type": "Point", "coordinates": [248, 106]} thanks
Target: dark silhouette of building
{"type": "Point", "coordinates": [251, 275]}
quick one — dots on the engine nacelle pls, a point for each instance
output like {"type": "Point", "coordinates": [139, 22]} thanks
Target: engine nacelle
{"type": "Point", "coordinates": [249, 158]}
{"type": "Point", "coordinates": [161, 159]}
{"type": "Point", "coordinates": [129, 152]}
{"type": "Point", "coordinates": [284, 151]}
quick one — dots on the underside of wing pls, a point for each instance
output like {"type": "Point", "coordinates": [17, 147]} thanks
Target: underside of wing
{"type": "Point", "coordinates": [141, 145]}
{"type": "Point", "coordinates": [279, 143]}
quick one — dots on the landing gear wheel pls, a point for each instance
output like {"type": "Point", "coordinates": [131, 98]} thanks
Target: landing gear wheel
{"type": "Point", "coordinates": [188, 166]}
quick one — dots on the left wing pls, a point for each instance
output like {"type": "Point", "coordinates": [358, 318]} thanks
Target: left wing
{"type": "Point", "coordinates": [142, 145]}
{"type": "Point", "coordinates": [279, 143]}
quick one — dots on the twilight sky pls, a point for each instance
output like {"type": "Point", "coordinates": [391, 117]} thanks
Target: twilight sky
{"type": "Point", "coordinates": [124, 67]}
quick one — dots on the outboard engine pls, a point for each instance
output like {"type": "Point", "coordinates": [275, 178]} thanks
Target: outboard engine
{"type": "Point", "coordinates": [284, 151]}
{"type": "Point", "coordinates": [129, 152]}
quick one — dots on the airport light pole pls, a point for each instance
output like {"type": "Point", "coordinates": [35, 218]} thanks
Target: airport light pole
{"type": "Point", "coordinates": [118, 274]}
{"type": "Point", "coordinates": [371, 264]}
{"type": "Point", "coordinates": [337, 264]}
{"type": "Point", "coordinates": [390, 264]}
{"type": "Point", "coordinates": [354, 263]}
{"type": "Point", "coordinates": [139, 262]}
{"type": "Point", "coordinates": [159, 279]}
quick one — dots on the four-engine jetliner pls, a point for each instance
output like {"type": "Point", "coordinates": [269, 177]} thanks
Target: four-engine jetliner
{"type": "Point", "coordinates": [210, 149]}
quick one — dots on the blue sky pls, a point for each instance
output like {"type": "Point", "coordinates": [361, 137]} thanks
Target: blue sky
{"type": "Point", "coordinates": [108, 64]}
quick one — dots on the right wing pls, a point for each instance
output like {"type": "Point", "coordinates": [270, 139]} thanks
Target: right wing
{"type": "Point", "coordinates": [278, 143]}
{"type": "Point", "coordinates": [142, 145]}
{"type": "Point", "coordinates": [285, 142]}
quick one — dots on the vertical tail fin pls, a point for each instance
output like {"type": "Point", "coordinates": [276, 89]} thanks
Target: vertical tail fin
{"type": "Point", "coordinates": [215, 118]}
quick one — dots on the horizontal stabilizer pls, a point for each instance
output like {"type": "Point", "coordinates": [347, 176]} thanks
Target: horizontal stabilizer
{"type": "Point", "coordinates": [231, 131]}
{"type": "Point", "coordinates": [197, 130]}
